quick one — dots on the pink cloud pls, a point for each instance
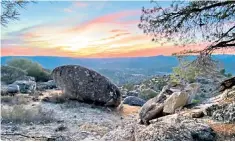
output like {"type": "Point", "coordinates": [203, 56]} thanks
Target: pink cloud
{"type": "Point", "coordinates": [117, 31]}
{"type": "Point", "coordinates": [80, 4]}
{"type": "Point", "coordinates": [108, 18]}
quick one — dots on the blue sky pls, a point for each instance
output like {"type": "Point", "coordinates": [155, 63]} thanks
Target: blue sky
{"type": "Point", "coordinates": [81, 29]}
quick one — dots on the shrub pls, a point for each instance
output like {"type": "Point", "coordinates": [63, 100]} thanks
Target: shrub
{"type": "Point", "coordinates": [25, 114]}
{"type": "Point", "coordinates": [129, 86]}
{"type": "Point", "coordinates": [223, 72]}
{"type": "Point", "coordinates": [147, 94]}
{"type": "Point", "coordinates": [195, 101]}
{"type": "Point", "coordinates": [15, 100]}
{"type": "Point", "coordinates": [185, 71]}
{"type": "Point", "coordinates": [32, 68]}
{"type": "Point", "coordinates": [10, 74]}
{"type": "Point", "coordinates": [229, 75]}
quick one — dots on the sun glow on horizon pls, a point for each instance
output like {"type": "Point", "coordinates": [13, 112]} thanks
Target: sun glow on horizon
{"type": "Point", "coordinates": [74, 30]}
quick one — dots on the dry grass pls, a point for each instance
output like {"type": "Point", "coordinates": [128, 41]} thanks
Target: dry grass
{"type": "Point", "coordinates": [55, 97]}
{"type": "Point", "coordinates": [25, 114]}
{"type": "Point", "coordinates": [225, 129]}
{"type": "Point", "coordinates": [16, 100]}
{"type": "Point", "coordinates": [126, 110]}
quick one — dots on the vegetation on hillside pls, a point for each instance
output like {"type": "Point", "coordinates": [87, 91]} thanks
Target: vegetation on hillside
{"type": "Point", "coordinates": [10, 74]}
{"type": "Point", "coordinates": [31, 68]}
{"type": "Point", "coordinates": [184, 72]}
{"type": "Point", "coordinates": [223, 72]}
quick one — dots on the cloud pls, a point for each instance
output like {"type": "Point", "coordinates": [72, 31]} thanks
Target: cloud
{"type": "Point", "coordinates": [68, 10]}
{"type": "Point", "coordinates": [109, 35]}
{"type": "Point", "coordinates": [80, 4]}
{"type": "Point", "coordinates": [117, 30]}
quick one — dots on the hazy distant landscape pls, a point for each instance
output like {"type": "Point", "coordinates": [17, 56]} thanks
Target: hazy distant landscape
{"type": "Point", "coordinates": [124, 70]}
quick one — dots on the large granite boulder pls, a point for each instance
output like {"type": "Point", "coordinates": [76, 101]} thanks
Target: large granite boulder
{"type": "Point", "coordinates": [176, 100]}
{"type": "Point", "coordinates": [86, 85]}
{"type": "Point", "coordinates": [133, 101]}
{"type": "Point", "coordinates": [153, 108]}
{"type": "Point", "coordinates": [26, 86]}
{"type": "Point", "coordinates": [168, 100]}
{"type": "Point", "coordinates": [168, 128]}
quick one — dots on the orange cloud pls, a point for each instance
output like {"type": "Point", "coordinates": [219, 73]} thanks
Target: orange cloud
{"type": "Point", "coordinates": [111, 35]}
{"type": "Point", "coordinates": [30, 51]}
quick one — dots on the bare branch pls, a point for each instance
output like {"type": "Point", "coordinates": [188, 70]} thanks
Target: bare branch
{"type": "Point", "coordinates": [187, 22]}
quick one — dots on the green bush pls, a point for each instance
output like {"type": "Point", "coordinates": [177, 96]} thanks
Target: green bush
{"type": "Point", "coordinates": [184, 71]}
{"type": "Point", "coordinates": [195, 101]}
{"type": "Point", "coordinates": [147, 94]}
{"type": "Point", "coordinates": [129, 86]}
{"type": "Point", "coordinates": [10, 74]}
{"type": "Point", "coordinates": [229, 75]}
{"type": "Point", "coordinates": [32, 68]}
{"type": "Point", "coordinates": [223, 72]}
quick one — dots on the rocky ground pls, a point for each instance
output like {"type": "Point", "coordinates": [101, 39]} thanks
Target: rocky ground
{"type": "Point", "coordinates": [152, 110]}
{"type": "Point", "coordinates": [72, 120]}
{"type": "Point", "coordinates": [69, 121]}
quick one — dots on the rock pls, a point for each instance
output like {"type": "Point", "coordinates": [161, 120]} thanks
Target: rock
{"type": "Point", "coordinates": [227, 84]}
{"type": "Point", "coordinates": [226, 114]}
{"type": "Point", "coordinates": [9, 89]}
{"type": "Point", "coordinates": [12, 88]}
{"type": "Point", "coordinates": [187, 130]}
{"type": "Point", "coordinates": [86, 85]}
{"type": "Point", "coordinates": [211, 109]}
{"type": "Point", "coordinates": [26, 86]}
{"type": "Point", "coordinates": [192, 90]}
{"type": "Point", "coordinates": [229, 93]}
{"type": "Point", "coordinates": [133, 101]}
{"type": "Point", "coordinates": [153, 108]}
{"type": "Point", "coordinates": [197, 114]}
{"type": "Point", "coordinates": [176, 100]}
{"type": "Point", "coordinates": [222, 112]}
{"type": "Point", "coordinates": [169, 128]}
{"type": "Point", "coordinates": [124, 132]}
{"type": "Point", "coordinates": [132, 93]}
{"type": "Point", "coordinates": [46, 85]}
{"type": "Point", "coordinates": [61, 128]}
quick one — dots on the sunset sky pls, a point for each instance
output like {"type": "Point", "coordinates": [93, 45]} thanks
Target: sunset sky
{"type": "Point", "coordinates": [82, 29]}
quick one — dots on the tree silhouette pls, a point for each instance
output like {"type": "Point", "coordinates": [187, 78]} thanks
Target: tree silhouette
{"type": "Point", "coordinates": [186, 22]}
{"type": "Point", "coordinates": [10, 10]}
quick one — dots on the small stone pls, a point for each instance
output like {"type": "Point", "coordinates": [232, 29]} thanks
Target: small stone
{"type": "Point", "coordinates": [197, 114]}
{"type": "Point", "coordinates": [60, 128]}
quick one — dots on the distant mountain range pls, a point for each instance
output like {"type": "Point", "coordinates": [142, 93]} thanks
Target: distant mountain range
{"type": "Point", "coordinates": [120, 69]}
